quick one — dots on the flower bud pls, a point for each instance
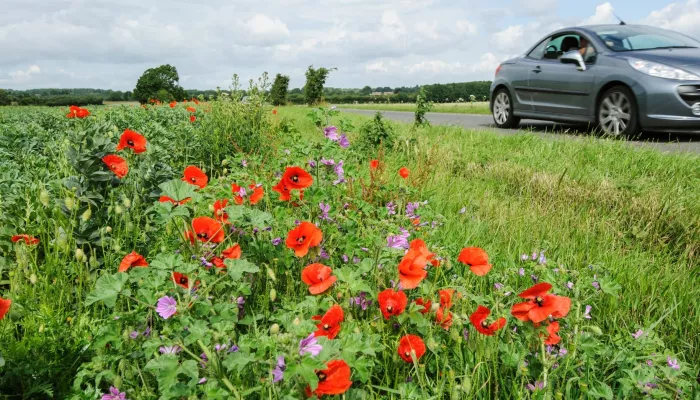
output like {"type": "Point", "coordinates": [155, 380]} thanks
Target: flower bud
{"type": "Point", "coordinates": [41, 328]}
{"type": "Point", "coordinates": [432, 344]}
{"type": "Point", "coordinates": [211, 208]}
{"type": "Point", "coordinates": [118, 209]}
{"type": "Point", "coordinates": [274, 329]}
{"type": "Point", "coordinates": [44, 197]}
{"type": "Point", "coordinates": [32, 279]}
{"type": "Point", "coordinates": [126, 202]}
{"type": "Point", "coordinates": [434, 307]}
{"type": "Point", "coordinates": [80, 255]}
{"type": "Point", "coordinates": [117, 381]}
{"type": "Point", "coordinates": [93, 261]}
{"type": "Point", "coordinates": [271, 274]}
{"type": "Point", "coordinates": [224, 162]}
{"type": "Point", "coordinates": [225, 171]}
{"type": "Point", "coordinates": [273, 294]}
{"type": "Point", "coordinates": [70, 203]}
{"type": "Point", "coordinates": [108, 229]}
{"type": "Point", "coordinates": [117, 247]}
{"type": "Point", "coordinates": [296, 321]}
{"type": "Point", "coordinates": [86, 215]}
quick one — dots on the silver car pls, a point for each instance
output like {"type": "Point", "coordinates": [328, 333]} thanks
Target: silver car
{"type": "Point", "coordinates": [623, 78]}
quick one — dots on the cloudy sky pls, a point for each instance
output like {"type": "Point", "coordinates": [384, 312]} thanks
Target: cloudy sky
{"type": "Point", "coordinates": [108, 44]}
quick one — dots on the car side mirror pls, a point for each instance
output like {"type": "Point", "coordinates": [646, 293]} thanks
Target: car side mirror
{"type": "Point", "coordinates": [573, 57]}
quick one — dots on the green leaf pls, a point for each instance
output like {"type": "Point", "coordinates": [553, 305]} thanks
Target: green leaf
{"type": "Point", "coordinates": [236, 268]}
{"type": "Point", "coordinates": [362, 368]}
{"type": "Point", "coordinates": [165, 368]}
{"type": "Point", "coordinates": [237, 361]}
{"type": "Point", "coordinates": [178, 190]}
{"type": "Point", "coordinates": [196, 330]}
{"type": "Point", "coordinates": [107, 288]}
{"type": "Point", "coordinates": [600, 390]}
{"type": "Point", "coordinates": [259, 219]}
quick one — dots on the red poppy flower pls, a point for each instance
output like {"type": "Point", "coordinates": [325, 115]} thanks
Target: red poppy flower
{"type": "Point", "coordinates": [391, 302]}
{"type": "Point", "coordinates": [318, 277]}
{"type": "Point", "coordinates": [132, 140]}
{"type": "Point", "coordinates": [412, 266]}
{"type": "Point", "coordinates": [30, 240]}
{"type": "Point", "coordinates": [117, 165]}
{"type": "Point", "coordinates": [258, 193]}
{"type": "Point", "coordinates": [190, 236]}
{"type": "Point", "coordinates": [425, 303]}
{"type": "Point", "coordinates": [410, 343]}
{"type": "Point", "coordinates": [4, 307]}
{"type": "Point", "coordinates": [234, 252]}
{"type": "Point", "coordinates": [540, 304]}
{"type": "Point", "coordinates": [166, 199]}
{"type": "Point", "coordinates": [374, 164]}
{"type": "Point", "coordinates": [476, 259]}
{"type": "Point", "coordinates": [552, 330]}
{"type": "Point", "coordinates": [274, 112]}
{"type": "Point", "coordinates": [173, 104]}
{"type": "Point", "coordinates": [296, 178]}
{"type": "Point", "coordinates": [444, 318]}
{"type": "Point", "coordinates": [77, 112]}
{"type": "Point", "coordinates": [219, 212]}
{"type": "Point", "coordinates": [329, 323]}
{"type": "Point", "coordinates": [195, 176]}
{"type": "Point", "coordinates": [195, 101]}
{"type": "Point", "coordinates": [285, 194]}
{"type": "Point", "coordinates": [181, 280]}
{"type": "Point", "coordinates": [132, 259]}
{"type": "Point", "coordinates": [404, 172]}
{"type": "Point", "coordinates": [208, 230]}
{"type": "Point", "coordinates": [478, 319]}
{"type": "Point", "coordinates": [446, 298]}
{"type": "Point", "coordinates": [192, 118]}
{"type": "Point", "coordinates": [191, 109]}
{"type": "Point", "coordinates": [335, 379]}
{"type": "Point", "coordinates": [304, 236]}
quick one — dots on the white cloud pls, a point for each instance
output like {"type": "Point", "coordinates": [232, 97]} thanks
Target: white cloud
{"type": "Point", "coordinates": [536, 7]}
{"type": "Point", "coordinates": [266, 29]}
{"type": "Point", "coordinates": [376, 67]}
{"type": "Point", "coordinates": [22, 75]}
{"type": "Point", "coordinates": [681, 17]}
{"type": "Point", "coordinates": [604, 14]}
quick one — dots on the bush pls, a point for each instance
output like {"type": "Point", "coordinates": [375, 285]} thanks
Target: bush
{"type": "Point", "coordinates": [377, 132]}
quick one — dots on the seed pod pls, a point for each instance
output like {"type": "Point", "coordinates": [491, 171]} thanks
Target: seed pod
{"type": "Point", "coordinates": [86, 215]}
{"type": "Point", "coordinates": [224, 161]}
{"type": "Point", "coordinates": [44, 197]}
{"type": "Point", "coordinates": [70, 203]}
{"type": "Point", "coordinates": [32, 279]}
{"type": "Point", "coordinates": [274, 329]}
{"type": "Point", "coordinates": [118, 209]}
{"type": "Point", "coordinates": [271, 274]}
{"type": "Point", "coordinates": [80, 255]}
{"type": "Point", "coordinates": [93, 261]}
{"type": "Point", "coordinates": [273, 294]}
{"type": "Point", "coordinates": [108, 229]}
{"type": "Point", "coordinates": [126, 202]}
{"type": "Point", "coordinates": [432, 344]}
{"type": "Point", "coordinates": [225, 171]}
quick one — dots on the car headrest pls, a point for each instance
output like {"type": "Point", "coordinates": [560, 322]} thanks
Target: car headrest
{"type": "Point", "coordinates": [569, 43]}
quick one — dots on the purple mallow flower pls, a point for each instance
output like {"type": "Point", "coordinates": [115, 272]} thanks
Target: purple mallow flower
{"type": "Point", "coordinates": [569, 285]}
{"type": "Point", "coordinates": [312, 163]}
{"type": "Point", "coordinates": [345, 258]}
{"type": "Point", "coordinates": [638, 334]}
{"type": "Point", "coordinates": [166, 307]}
{"type": "Point", "coordinates": [465, 334]}
{"type": "Point", "coordinates": [521, 271]}
{"type": "Point", "coordinates": [331, 132]}
{"type": "Point", "coordinates": [399, 241]}
{"type": "Point", "coordinates": [244, 163]}
{"type": "Point", "coordinates": [325, 208]}
{"type": "Point", "coordinates": [114, 394]}
{"type": "Point", "coordinates": [391, 208]}
{"type": "Point", "coordinates": [343, 141]}
{"type": "Point", "coordinates": [411, 210]}
{"type": "Point", "coordinates": [463, 210]}
{"type": "Point", "coordinates": [587, 313]}
{"type": "Point", "coordinates": [498, 286]}
{"type": "Point", "coordinates": [276, 241]}
{"type": "Point", "coordinates": [326, 162]}
{"type": "Point", "coordinates": [203, 380]}
{"type": "Point", "coordinates": [134, 334]}
{"type": "Point", "coordinates": [309, 345]}
{"type": "Point", "coordinates": [673, 363]}
{"type": "Point", "coordinates": [170, 349]}
{"type": "Point", "coordinates": [542, 259]}
{"type": "Point", "coordinates": [596, 285]}
{"type": "Point", "coordinates": [278, 372]}
{"type": "Point", "coordinates": [524, 257]}
{"type": "Point", "coordinates": [361, 301]}
{"type": "Point", "coordinates": [538, 385]}
{"type": "Point", "coordinates": [338, 169]}
{"type": "Point", "coordinates": [534, 277]}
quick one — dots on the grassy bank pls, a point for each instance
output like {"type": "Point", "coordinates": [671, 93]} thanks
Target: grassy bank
{"type": "Point", "coordinates": [481, 107]}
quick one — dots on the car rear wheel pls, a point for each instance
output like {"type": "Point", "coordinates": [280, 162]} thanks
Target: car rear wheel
{"type": "Point", "coordinates": [503, 110]}
{"type": "Point", "coordinates": [617, 112]}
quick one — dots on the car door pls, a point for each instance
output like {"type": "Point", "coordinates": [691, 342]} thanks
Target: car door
{"type": "Point", "coordinates": [521, 74]}
{"type": "Point", "coordinates": [561, 88]}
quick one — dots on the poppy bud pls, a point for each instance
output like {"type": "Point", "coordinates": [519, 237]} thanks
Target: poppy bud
{"type": "Point", "coordinates": [32, 279]}
{"type": "Point", "coordinates": [86, 215]}
{"type": "Point", "coordinates": [271, 275]}
{"type": "Point", "coordinates": [80, 255]}
{"type": "Point", "coordinates": [44, 197]}
{"type": "Point", "coordinates": [93, 261]}
{"type": "Point", "coordinates": [274, 329]}
{"type": "Point", "coordinates": [432, 345]}
{"type": "Point", "coordinates": [116, 247]}
{"type": "Point", "coordinates": [225, 171]}
{"type": "Point", "coordinates": [434, 307]}
{"type": "Point", "coordinates": [126, 201]}
{"type": "Point", "coordinates": [118, 209]}
{"type": "Point", "coordinates": [273, 294]}
{"type": "Point", "coordinates": [70, 203]}
{"type": "Point", "coordinates": [224, 161]}
{"type": "Point", "coordinates": [108, 229]}
{"type": "Point", "coordinates": [211, 207]}
{"type": "Point", "coordinates": [296, 321]}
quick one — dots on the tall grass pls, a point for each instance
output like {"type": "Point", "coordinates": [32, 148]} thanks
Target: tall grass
{"type": "Point", "coordinates": [479, 107]}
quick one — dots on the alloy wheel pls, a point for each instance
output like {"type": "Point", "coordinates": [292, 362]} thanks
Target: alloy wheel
{"type": "Point", "coordinates": [501, 108]}
{"type": "Point", "coordinates": [615, 113]}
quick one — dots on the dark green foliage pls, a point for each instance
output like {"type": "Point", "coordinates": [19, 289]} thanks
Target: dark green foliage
{"type": "Point", "coordinates": [278, 93]}
{"type": "Point", "coordinates": [376, 132]}
{"type": "Point", "coordinates": [159, 83]}
{"type": "Point", "coordinates": [423, 106]}
{"type": "Point", "coordinates": [4, 98]}
{"type": "Point", "coordinates": [315, 79]}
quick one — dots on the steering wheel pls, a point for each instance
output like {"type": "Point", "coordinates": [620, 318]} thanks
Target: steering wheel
{"type": "Point", "coordinates": [551, 49]}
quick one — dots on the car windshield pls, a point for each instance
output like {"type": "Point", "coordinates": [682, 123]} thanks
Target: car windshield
{"type": "Point", "coordinates": [634, 38]}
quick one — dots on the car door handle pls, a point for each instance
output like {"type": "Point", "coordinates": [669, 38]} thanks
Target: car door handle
{"type": "Point", "coordinates": [537, 69]}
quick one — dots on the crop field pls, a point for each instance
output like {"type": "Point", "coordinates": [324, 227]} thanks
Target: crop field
{"type": "Point", "coordinates": [217, 250]}
{"type": "Point", "coordinates": [479, 107]}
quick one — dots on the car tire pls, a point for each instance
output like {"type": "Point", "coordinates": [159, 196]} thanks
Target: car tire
{"type": "Point", "coordinates": [617, 112]}
{"type": "Point", "coordinates": [502, 110]}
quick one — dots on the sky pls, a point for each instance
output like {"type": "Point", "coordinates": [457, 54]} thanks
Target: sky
{"type": "Point", "coordinates": [108, 44]}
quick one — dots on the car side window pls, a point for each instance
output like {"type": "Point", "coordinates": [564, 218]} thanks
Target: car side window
{"type": "Point", "coordinates": [567, 42]}
{"type": "Point", "coordinates": [538, 52]}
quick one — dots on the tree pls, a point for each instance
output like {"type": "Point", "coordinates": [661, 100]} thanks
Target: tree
{"type": "Point", "coordinates": [315, 79]}
{"type": "Point", "coordinates": [366, 91]}
{"type": "Point", "coordinates": [156, 80]}
{"type": "Point", "coordinates": [278, 92]}
{"type": "Point", "coordinates": [4, 98]}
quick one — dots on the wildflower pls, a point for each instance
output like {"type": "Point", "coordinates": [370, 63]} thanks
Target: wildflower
{"type": "Point", "coordinates": [340, 172]}
{"type": "Point", "coordinates": [478, 319]}
{"type": "Point", "coordinates": [673, 363]}
{"type": "Point", "coordinates": [4, 307]}
{"type": "Point", "coordinates": [309, 345]}
{"type": "Point", "coordinates": [391, 302]}
{"type": "Point", "coordinates": [132, 259]}
{"type": "Point", "coordinates": [411, 210]}
{"type": "Point", "coordinates": [274, 111]}
{"type": "Point", "coordinates": [444, 318]}
{"type": "Point", "coordinates": [193, 118]}
{"type": "Point", "coordinates": [540, 304]}
{"type": "Point", "coordinates": [318, 277]}
{"type": "Point", "coordinates": [278, 372]}
{"type": "Point", "coordinates": [542, 259]}
{"type": "Point", "coordinates": [537, 386]}
{"type": "Point", "coordinates": [476, 259]}
{"type": "Point", "coordinates": [219, 212]}
{"type": "Point", "coordinates": [446, 298]}
{"type": "Point", "coordinates": [425, 303]}
{"type": "Point", "coordinates": [411, 347]}
{"type": "Point", "coordinates": [403, 172]}
{"type": "Point", "coordinates": [208, 230]}
{"type": "Point", "coordinates": [335, 379]}
{"type": "Point", "coordinates": [166, 199]}
{"type": "Point", "coordinates": [170, 349]}
{"type": "Point", "coordinates": [587, 313]}
{"type": "Point", "coordinates": [391, 208]}
{"type": "Point", "coordinates": [524, 257]}
{"type": "Point", "coordinates": [301, 238]}
{"type": "Point", "coordinates": [166, 307]}
{"type": "Point", "coordinates": [596, 285]}
{"type": "Point", "coordinates": [412, 265]}
{"type": "Point", "coordinates": [312, 163]}
{"type": "Point", "coordinates": [30, 240]}
{"type": "Point", "coordinates": [521, 272]}
{"type": "Point", "coordinates": [114, 394]}
{"type": "Point", "coordinates": [326, 162]}
{"type": "Point", "coordinates": [374, 164]}
{"type": "Point", "coordinates": [569, 285]}
{"type": "Point", "coordinates": [181, 280]}
{"type": "Point", "coordinates": [638, 334]}
{"type": "Point", "coordinates": [195, 176]}
{"type": "Point", "coordinates": [331, 132]}
{"type": "Point", "coordinates": [234, 252]}
{"type": "Point", "coordinates": [173, 104]}
{"type": "Point", "coordinates": [116, 164]}
{"type": "Point", "coordinates": [132, 140]}
{"type": "Point", "coordinates": [498, 286]}
{"type": "Point", "coordinates": [361, 300]}
{"type": "Point", "coordinates": [534, 277]}
{"type": "Point", "coordinates": [276, 241]}
{"type": "Point", "coordinates": [329, 323]}
{"type": "Point", "coordinates": [325, 208]}
{"type": "Point", "coordinates": [552, 330]}
{"type": "Point", "coordinates": [343, 141]}
{"type": "Point", "coordinates": [134, 334]}
{"type": "Point", "coordinates": [244, 163]}
{"type": "Point", "coordinates": [77, 112]}
{"type": "Point", "coordinates": [296, 178]}
{"type": "Point", "coordinates": [399, 241]}
{"type": "Point", "coordinates": [465, 334]}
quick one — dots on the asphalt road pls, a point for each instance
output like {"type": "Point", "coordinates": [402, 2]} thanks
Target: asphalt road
{"type": "Point", "coordinates": [666, 142]}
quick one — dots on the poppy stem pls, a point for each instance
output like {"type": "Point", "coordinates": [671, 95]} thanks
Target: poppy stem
{"type": "Point", "coordinates": [544, 365]}
{"type": "Point", "coordinates": [141, 302]}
